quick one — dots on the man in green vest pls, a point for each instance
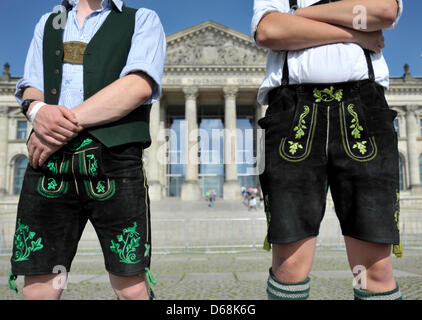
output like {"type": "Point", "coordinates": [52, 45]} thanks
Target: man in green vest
{"type": "Point", "coordinates": [92, 72]}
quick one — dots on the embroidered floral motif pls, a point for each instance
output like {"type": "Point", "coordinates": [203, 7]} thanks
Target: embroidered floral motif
{"type": "Point", "coordinates": [294, 146]}
{"type": "Point", "coordinates": [100, 187]}
{"type": "Point", "coordinates": [77, 145]}
{"type": "Point", "coordinates": [356, 130]}
{"type": "Point", "coordinates": [92, 165]}
{"type": "Point", "coordinates": [53, 167]}
{"type": "Point", "coordinates": [361, 146]}
{"type": "Point", "coordinates": [299, 129]}
{"type": "Point", "coordinates": [328, 95]}
{"type": "Point", "coordinates": [52, 184]}
{"type": "Point", "coordinates": [22, 237]}
{"type": "Point", "coordinates": [129, 239]}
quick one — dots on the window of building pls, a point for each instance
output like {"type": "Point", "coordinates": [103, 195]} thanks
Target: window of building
{"type": "Point", "coordinates": [401, 173]}
{"type": "Point", "coordinates": [21, 130]}
{"type": "Point", "coordinates": [396, 126]}
{"type": "Point", "coordinates": [420, 168]}
{"type": "Point", "coordinates": [420, 126]}
{"type": "Point", "coordinates": [19, 171]}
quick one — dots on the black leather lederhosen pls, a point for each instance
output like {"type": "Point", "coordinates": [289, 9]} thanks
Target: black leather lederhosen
{"type": "Point", "coordinates": [330, 135]}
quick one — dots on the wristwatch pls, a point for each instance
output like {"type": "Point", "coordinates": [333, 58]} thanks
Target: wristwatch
{"type": "Point", "coordinates": [25, 105]}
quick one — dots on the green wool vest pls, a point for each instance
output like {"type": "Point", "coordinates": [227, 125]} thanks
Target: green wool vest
{"type": "Point", "coordinates": [104, 59]}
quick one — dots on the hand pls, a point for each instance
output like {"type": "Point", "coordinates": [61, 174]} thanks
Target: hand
{"type": "Point", "coordinates": [39, 152]}
{"type": "Point", "coordinates": [373, 41]}
{"type": "Point", "coordinates": [56, 125]}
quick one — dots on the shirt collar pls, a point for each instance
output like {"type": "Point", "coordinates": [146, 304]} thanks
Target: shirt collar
{"type": "Point", "coordinates": [104, 3]}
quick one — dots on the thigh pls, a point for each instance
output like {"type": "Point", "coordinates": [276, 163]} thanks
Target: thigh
{"type": "Point", "coordinates": [294, 180]}
{"type": "Point", "coordinates": [122, 221]}
{"type": "Point", "coordinates": [48, 226]}
{"type": "Point", "coordinates": [365, 190]}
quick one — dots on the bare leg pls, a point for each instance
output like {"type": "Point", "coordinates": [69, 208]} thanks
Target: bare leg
{"type": "Point", "coordinates": [130, 288]}
{"type": "Point", "coordinates": [376, 260]}
{"type": "Point", "coordinates": [292, 262]}
{"type": "Point", "coordinates": [41, 287]}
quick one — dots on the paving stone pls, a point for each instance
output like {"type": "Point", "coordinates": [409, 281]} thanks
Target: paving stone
{"type": "Point", "coordinates": [209, 276]}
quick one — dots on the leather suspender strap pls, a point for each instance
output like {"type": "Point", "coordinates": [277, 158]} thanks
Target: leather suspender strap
{"type": "Point", "coordinates": [371, 71]}
{"type": "Point", "coordinates": [285, 79]}
{"type": "Point", "coordinates": [293, 4]}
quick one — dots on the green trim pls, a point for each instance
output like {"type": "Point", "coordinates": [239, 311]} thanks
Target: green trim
{"type": "Point", "coordinates": [52, 194]}
{"type": "Point", "coordinates": [345, 145]}
{"type": "Point", "coordinates": [267, 245]}
{"type": "Point", "coordinates": [11, 281]}
{"type": "Point", "coordinates": [360, 294]}
{"type": "Point", "coordinates": [397, 248]}
{"type": "Point", "coordinates": [309, 145]}
{"type": "Point", "coordinates": [129, 239]}
{"type": "Point", "coordinates": [98, 196]}
{"type": "Point", "coordinates": [22, 236]}
{"type": "Point", "coordinates": [76, 145]}
{"type": "Point", "coordinates": [151, 279]}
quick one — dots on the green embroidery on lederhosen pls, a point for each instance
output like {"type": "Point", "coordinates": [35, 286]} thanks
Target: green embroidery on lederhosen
{"type": "Point", "coordinates": [267, 245]}
{"type": "Point", "coordinates": [328, 95]}
{"type": "Point", "coordinates": [97, 188]}
{"type": "Point", "coordinates": [356, 142]}
{"type": "Point", "coordinates": [297, 146]}
{"type": "Point", "coordinates": [126, 245]}
{"type": "Point", "coordinates": [77, 144]}
{"type": "Point", "coordinates": [397, 248]}
{"type": "Point", "coordinates": [22, 236]}
{"type": "Point", "coordinates": [52, 185]}
{"type": "Point", "coordinates": [92, 165]}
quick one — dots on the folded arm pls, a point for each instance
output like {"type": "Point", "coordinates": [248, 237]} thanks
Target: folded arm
{"type": "Point", "coordinates": [379, 14]}
{"type": "Point", "coordinates": [281, 31]}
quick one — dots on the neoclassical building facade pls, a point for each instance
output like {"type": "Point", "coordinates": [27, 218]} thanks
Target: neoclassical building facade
{"type": "Point", "coordinates": [204, 131]}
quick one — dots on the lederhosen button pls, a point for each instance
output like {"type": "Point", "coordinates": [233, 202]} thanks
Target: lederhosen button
{"type": "Point", "coordinates": [58, 52]}
{"type": "Point", "coordinates": [53, 91]}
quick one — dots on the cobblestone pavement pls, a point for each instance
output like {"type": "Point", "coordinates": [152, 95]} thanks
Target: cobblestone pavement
{"type": "Point", "coordinates": [227, 276]}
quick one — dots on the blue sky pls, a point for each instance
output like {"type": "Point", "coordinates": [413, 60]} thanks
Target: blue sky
{"type": "Point", "coordinates": [18, 19]}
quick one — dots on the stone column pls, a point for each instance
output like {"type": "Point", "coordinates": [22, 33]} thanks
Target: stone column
{"type": "Point", "coordinates": [231, 187]}
{"type": "Point", "coordinates": [4, 137]}
{"type": "Point", "coordinates": [153, 157]}
{"type": "Point", "coordinates": [413, 155]}
{"type": "Point", "coordinates": [190, 188]}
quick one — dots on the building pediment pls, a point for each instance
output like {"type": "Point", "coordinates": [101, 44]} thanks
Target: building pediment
{"type": "Point", "coordinates": [212, 44]}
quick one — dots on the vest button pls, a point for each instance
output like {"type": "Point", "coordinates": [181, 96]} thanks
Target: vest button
{"type": "Point", "coordinates": [58, 52]}
{"type": "Point", "coordinates": [53, 91]}
{"type": "Point", "coordinates": [57, 71]}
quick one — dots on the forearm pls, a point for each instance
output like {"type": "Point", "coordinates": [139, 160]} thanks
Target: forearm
{"type": "Point", "coordinates": [32, 93]}
{"type": "Point", "coordinates": [280, 31]}
{"type": "Point", "coordinates": [114, 101]}
{"type": "Point", "coordinates": [378, 14]}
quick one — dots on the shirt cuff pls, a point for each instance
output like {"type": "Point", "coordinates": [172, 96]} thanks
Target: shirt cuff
{"type": "Point", "coordinates": [21, 86]}
{"type": "Point", "coordinates": [149, 70]}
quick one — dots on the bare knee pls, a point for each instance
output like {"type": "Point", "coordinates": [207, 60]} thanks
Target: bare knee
{"type": "Point", "coordinates": [137, 292]}
{"type": "Point", "coordinates": [129, 288]}
{"type": "Point", "coordinates": [40, 288]}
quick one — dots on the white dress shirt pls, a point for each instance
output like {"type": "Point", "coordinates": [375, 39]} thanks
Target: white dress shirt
{"type": "Point", "coordinates": [339, 62]}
